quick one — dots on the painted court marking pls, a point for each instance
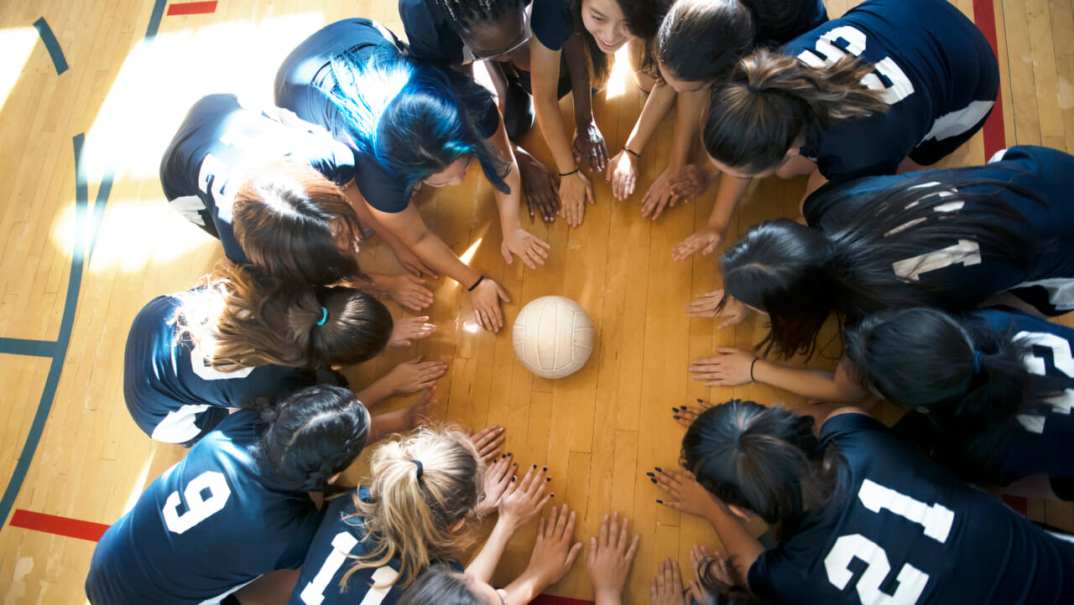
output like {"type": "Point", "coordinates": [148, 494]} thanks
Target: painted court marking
{"type": "Point", "coordinates": [192, 8]}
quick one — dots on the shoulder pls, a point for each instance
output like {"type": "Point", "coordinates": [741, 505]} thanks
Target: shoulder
{"type": "Point", "coordinates": [381, 190]}
{"type": "Point", "coordinates": [552, 22]}
{"type": "Point", "coordinates": [429, 32]}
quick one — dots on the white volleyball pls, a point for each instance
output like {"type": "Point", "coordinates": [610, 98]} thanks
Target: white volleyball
{"type": "Point", "coordinates": [553, 337]}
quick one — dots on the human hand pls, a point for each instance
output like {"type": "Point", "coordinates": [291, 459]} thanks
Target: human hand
{"type": "Point", "coordinates": [407, 290]}
{"type": "Point", "coordinates": [622, 173]}
{"type": "Point", "coordinates": [575, 193]}
{"type": "Point", "coordinates": [708, 305]}
{"type": "Point", "coordinates": [413, 376]}
{"type": "Point", "coordinates": [497, 479]}
{"type": "Point", "coordinates": [539, 185]}
{"type": "Point", "coordinates": [406, 331]}
{"type": "Point", "coordinates": [686, 414]}
{"type": "Point", "coordinates": [666, 588]}
{"type": "Point", "coordinates": [691, 180]}
{"type": "Point", "coordinates": [488, 442]}
{"type": "Point", "coordinates": [705, 241]}
{"type": "Point", "coordinates": [418, 414]}
{"type": "Point", "coordinates": [728, 368]}
{"type": "Point", "coordinates": [717, 566]}
{"type": "Point", "coordinates": [683, 492]}
{"type": "Point", "coordinates": [411, 262]}
{"type": "Point", "coordinates": [521, 243]}
{"type": "Point", "coordinates": [553, 554]}
{"type": "Point", "coordinates": [589, 147]}
{"type": "Point", "coordinates": [486, 298]}
{"type": "Point", "coordinates": [524, 499]}
{"type": "Point", "coordinates": [659, 196]}
{"type": "Point", "coordinates": [610, 555]}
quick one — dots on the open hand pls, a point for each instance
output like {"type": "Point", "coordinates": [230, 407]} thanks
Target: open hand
{"type": "Point", "coordinates": [659, 196]}
{"type": "Point", "coordinates": [589, 148]}
{"type": "Point", "coordinates": [497, 479]}
{"type": "Point", "coordinates": [524, 499]}
{"type": "Point", "coordinates": [406, 331]}
{"type": "Point", "coordinates": [540, 186]}
{"type": "Point", "coordinates": [414, 375]}
{"type": "Point", "coordinates": [521, 243]}
{"type": "Point", "coordinates": [708, 305]}
{"type": "Point", "coordinates": [704, 241]}
{"type": "Point", "coordinates": [486, 299]}
{"type": "Point", "coordinates": [685, 415]}
{"type": "Point", "coordinates": [728, 368]}
{"type": "Point", "coordinates": [488, 442]}
{"type": "Point", "coordinates": [412, 263]}
{"type": "Point", "coordinates": [407, 290]}
{"type": "Point", "coordinates": [682, 492]}
{"type": "Point", "coordinates": [575, 193]}
{"type": "Point", "coordinates": [622, 173]}
{"type": "Point", "coordinates": [692, 180]}
{"type": "Point", "coordinates": [666, 588]}
{"type": "Point", "coordinates": [553, 553]}
{"type": "Point", "coordinates": [611, 553]}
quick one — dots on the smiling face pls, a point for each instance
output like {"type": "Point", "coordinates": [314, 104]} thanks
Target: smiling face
{"type": "Point", "coordinates": [604, 20]}
{"type": "Point", "coordinates": [452, 175]}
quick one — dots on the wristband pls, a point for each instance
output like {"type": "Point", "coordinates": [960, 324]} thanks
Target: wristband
{"type": "Point", "coordinates": [562, 174]}
{"type": "Point", "coordinates": [632, 152]}
{"type": "Point", "coordinates": [476, 284]}
{"type": "Point", "coordinates": [753, 363]}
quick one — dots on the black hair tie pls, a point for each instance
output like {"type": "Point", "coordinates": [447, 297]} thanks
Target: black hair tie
{"type": "Point", "coordinates": [420, 467]}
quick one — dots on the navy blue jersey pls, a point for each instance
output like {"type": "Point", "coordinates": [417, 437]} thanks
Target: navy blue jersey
{"type": "Point", "coordinates": [902, 530]}
{"type": "Point", "coordinates": [210, 524]}
{"type": "Point", "coordinates": [341, 537]}
{"type": "Point", "coordinates": [553, 22]}
{"type": "Point", "coordinates": [813, 15]}
{"type": "Point", "coordinates": [220, 142]}
{"type": "Point", "coordinates": [431, 35]}
{"type": "Point", "coordinates": [964, 274]}
{"type": "Point", "coordinates": [304, 82]}
{"type": "Point", "coordinates": [1037, 441]}
{"type": "Point", "coordinates": [172, 393]}
{"type": "Point", "coordinates": [938, 73]}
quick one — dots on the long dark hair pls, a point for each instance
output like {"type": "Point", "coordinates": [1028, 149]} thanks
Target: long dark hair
{"type": "Point", "coordinates": [971, 380]}
{"type": "Point", "coordinates": [702, 40]}
{"type": "Point", "coordinates": [440, 585]}
{"type": "Point", "coordinates": [294, 224]}
{"type": "Point", "coordinates": [773, 100]}
{"type": "Point", "coordinates": [311, 435]}
{"type": "Point", "coordinates": [643, 18]}
{"type": "Point", "coordinates": [799, 275]}
{"type": "Point", "coordinates": [408, 116]}
{"type": "Point", "coordinates": [244, 319]}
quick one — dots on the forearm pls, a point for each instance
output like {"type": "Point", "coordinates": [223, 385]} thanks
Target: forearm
{"type": "Point", "coordinates": [581, 87]}
{"type": "Point", "coordinates": [607, 598]}
{"type": "Point", "coordinates": [739, 544]}
{"type": "Point", "coordinates": [731, 191]}
{"type": "Point", "coordinates": [434, 252]}
{"type": "Point", "coordinates": [499, 82]}
{"type": "Point", "coordinates": [554, 130]}
{"type": "Point", "coordinates": [484, 564]}
{"type": "Point", "coordinates": [376, 392]}
{"type": "Point", "coordinates": [523, 590]}
{"type": "Point", "coordinates": [811, 384]}
{"type": "Point", "coordinates": [656, 107]}
{"type": "Point", "coordinates": [688, 109]}
{"type": "Point", "coordinates": [382, 425]}
{"type": "Point", "coordinates": [509, 203]}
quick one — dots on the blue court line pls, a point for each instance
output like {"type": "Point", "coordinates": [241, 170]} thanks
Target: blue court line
{"type": "Point", "coordinates": [154, 20]}
{"type": "Point", "coordinates": [51, 45]}
{"type": "Point", "coordinates": [31, 348]}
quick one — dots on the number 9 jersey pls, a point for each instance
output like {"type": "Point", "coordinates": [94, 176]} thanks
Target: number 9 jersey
{"type": "Point", "coordinates": [208, 526]}
{"type": "Point", "coordinates": [902, 531]}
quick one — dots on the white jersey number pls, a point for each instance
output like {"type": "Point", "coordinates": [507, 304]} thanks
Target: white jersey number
{"type": "Point", "coordinates": [213, 167]}
{"type": "Point", "coordinates": [198, 506]}
{"type": "Point", "coordinates": [342, 544]}
{"type": "Point", "coordinates": [1035, 364]}
{"type": "Point", "coordinates": [827, 54]}
{"type": "Point", "coordinates": [936, 522]}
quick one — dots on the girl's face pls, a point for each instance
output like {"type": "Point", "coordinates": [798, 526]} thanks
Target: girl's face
{"type": "Point", "coordinates": [501, 38]}
{"type": "Point", "coordinates": [604, 20]}
{"type": "Point", "coordinates": [682, 86]}
{"type": "Point", "coordinates": [745, 174]}
{"type": "Point", "coordinates": [452, 175]}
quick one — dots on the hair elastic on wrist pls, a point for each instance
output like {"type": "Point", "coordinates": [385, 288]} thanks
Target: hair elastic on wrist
{"type": "Point", "coordinates": [753, 363]}
{"type": "Point", "coordinates": [632, 152]}
{"type": "Point", "coordinates": [575, 171]}
{"type": "Point", "coordinates": [324, 317]}
{"type": "Point", "coordinates": [476, 284]}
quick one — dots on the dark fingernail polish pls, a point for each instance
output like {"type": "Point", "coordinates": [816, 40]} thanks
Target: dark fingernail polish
{"type": "Point", "coordinates": [653, 480]}
{"type": "Point", "coordinates": [659, 501]}
{"type": "Point", "coordinates": [534, 466]}
{"type": "Point", "coordinates": [658, 469]}
{"type": "Point", "coordinates": [548, 479]}
{"type": "Point", "coordinates": [544, 468]}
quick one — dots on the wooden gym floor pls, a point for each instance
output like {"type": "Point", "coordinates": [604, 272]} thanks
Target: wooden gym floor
{"type": "Point", "coordinates": [90, 93]}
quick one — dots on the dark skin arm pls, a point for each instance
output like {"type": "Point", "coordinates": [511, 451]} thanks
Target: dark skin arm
{"type": "Point", "coordinates": [589, 147]}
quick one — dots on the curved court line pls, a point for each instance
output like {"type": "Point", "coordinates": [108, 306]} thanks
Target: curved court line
{"type": "Point", "coordinates": [52, 45]}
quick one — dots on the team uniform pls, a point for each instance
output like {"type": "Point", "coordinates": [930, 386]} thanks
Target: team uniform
{"type": "Point", "coordinates": [341, 537]}
{"type": "Point", "coordinates": [172, 393]}
{"type": "Point", "coordinates": [813, 15]}
{"type": "Point", "coordinates": [208, 526]}
{"type": "Point", "coordinates": [218, 146]}
{"type": "Point", "coordinates": [938, 74]}
{"type": "Point", "coordinates": [1035, 441]}
{"type": "Point", "coordinates": [304, 83]}
{"type": "Point", "coordinates": [964, 274]}
{"type": "Point", "coordinates": [902, 530]}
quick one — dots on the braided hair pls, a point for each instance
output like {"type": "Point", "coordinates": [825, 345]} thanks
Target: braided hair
{"type": "Point", "coordinates": [311, 435]}
{"type": "Point", "coordinates": [466, 14]}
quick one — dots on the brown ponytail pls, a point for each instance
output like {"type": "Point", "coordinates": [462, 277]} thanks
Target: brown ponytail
{"type": "Point", "coordinates": [422, 485]}
{"type": "Point", "coordinates": [773, 100]}
{"type": "Point", "coordinates": [244, 320]}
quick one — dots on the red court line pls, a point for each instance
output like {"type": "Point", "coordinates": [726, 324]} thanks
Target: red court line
{"type": "Point", "coordinates": [192, 8]}
{"type": "Point", "coordinates": [60, 526]}
{"type": "Point", "coordinates": [995, 136]}
{"type": "Point", "coordinates": [554, 600]}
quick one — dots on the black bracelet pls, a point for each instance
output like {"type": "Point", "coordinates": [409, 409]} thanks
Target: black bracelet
{"type": "Point", "coordinates": [632, 152]}
{"type": "Point", "coordinates": [562, 174]}
{"type": "Point", "coordinates": [753, 363]}
{"type": "Point", "coordinates": [476, 284]}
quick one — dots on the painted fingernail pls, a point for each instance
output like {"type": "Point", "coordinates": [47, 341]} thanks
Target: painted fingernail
{"type": "Point", "coordinates": [650, 474]}
{"type": "Point", "coordinates": [653, 480]}
{"type": "Point", "coordinates": [544, 468]}
{"type": "Point", "coordinates": [659, 501]}
{"type": "Point", "coordinates": [548, 479]}
{"type": "Point", "coordinates": [534, 466]}
{"type": "Point", "coordinates": [658, 469]}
